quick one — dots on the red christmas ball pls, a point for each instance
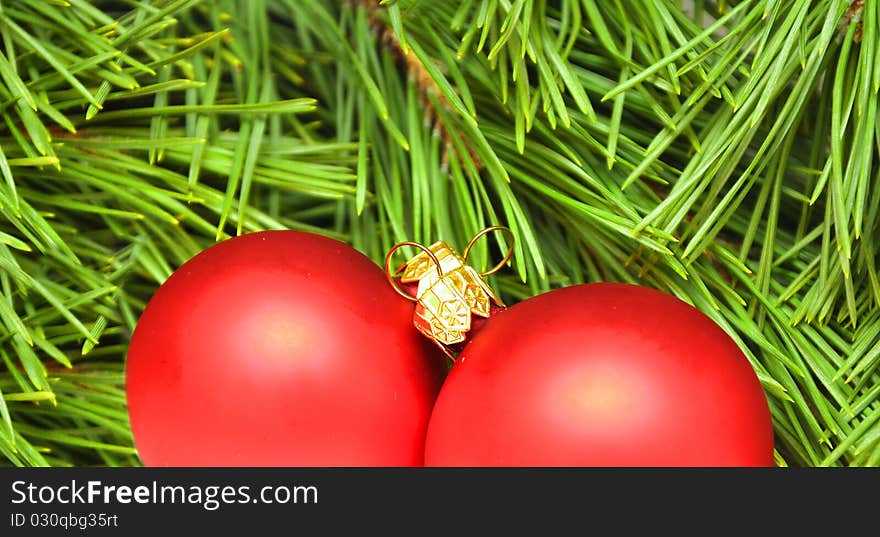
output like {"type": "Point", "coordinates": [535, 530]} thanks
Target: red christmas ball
{"type": "Point", "coordinates": [280, 348]}
{"type": "Point", "coordinates": [601, 375]}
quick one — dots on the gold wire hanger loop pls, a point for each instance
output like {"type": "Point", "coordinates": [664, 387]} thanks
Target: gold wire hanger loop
{"type": "Point", "coordinates": [504, 229]}
{"type": "Point", "coordinates": [390, 275]}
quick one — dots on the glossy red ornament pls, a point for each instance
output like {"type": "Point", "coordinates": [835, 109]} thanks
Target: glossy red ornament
{"type": "Point", "coordinates": [280, 348]}
{"type": "Point", "coordinates": [601, 375]}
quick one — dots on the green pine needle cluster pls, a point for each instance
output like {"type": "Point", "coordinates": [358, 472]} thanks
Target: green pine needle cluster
{"type": "Point", "coordinates": [725, 152]}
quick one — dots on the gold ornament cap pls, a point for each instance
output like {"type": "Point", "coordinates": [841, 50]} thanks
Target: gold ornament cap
{"type": "Point", "coordinates": [450, 295]}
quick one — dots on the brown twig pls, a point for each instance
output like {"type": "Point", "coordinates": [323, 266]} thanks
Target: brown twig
{"type": "Point", "coordinates": [855, 11]}
{"type": "Point", "coordinates": [428, 91]}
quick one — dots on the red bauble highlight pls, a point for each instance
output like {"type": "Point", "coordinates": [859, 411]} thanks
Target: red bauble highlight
{"type": "Point", "coordinates": [280, 348]}
{"type": "Point", "coordinates": [601, 375]}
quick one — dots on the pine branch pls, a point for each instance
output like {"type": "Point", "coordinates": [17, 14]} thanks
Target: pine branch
{"type": "Point", "coordinates": [89, 227]}
{"type": "Point", "coordinates": [726, 153]}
